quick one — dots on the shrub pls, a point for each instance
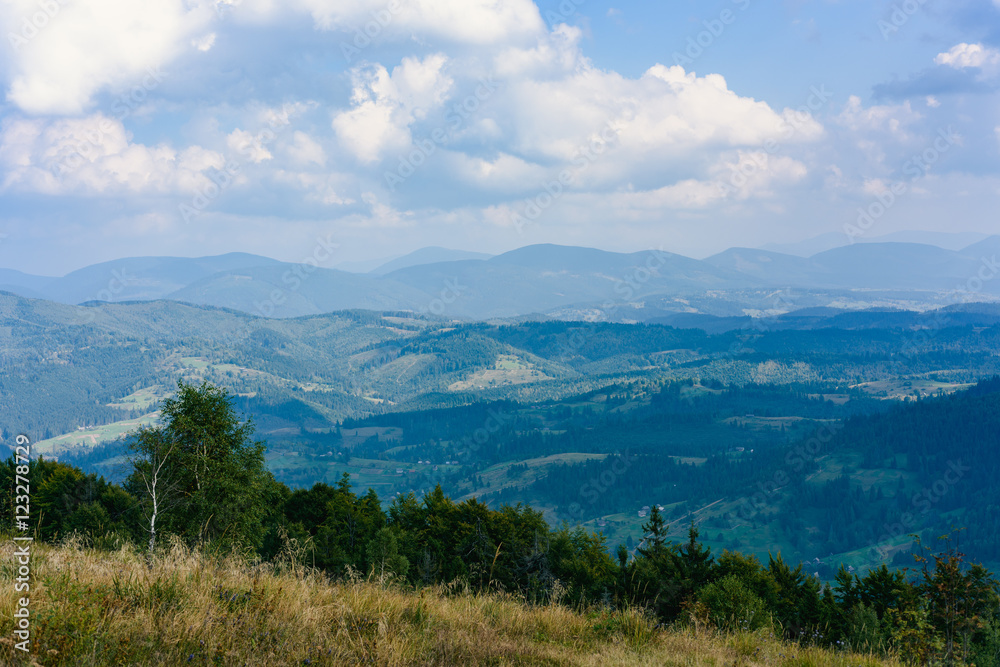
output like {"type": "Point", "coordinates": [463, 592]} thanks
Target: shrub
{"type": "Point", "coordinates": [732, 606]}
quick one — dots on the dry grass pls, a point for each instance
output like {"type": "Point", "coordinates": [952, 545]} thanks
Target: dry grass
{"type": "Point", "coordinates": [108, 608]}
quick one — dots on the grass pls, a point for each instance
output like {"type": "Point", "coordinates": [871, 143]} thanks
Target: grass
{"type": "Point", "coordinates": [107, 608]}
{"type": "Point", "coordinates": [91, 437]}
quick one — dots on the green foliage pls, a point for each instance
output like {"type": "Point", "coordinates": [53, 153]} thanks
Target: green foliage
{"type": "Point", "coordinates": [733, 606]}
{"type": "Point", "coordinates": [216, 491]}
{"type": "Point", "coordinates": [66, 501]}
{"type": "Point", "coordinates": [384, 556]}
{"type": "Point", "coordinates": [210, 471]}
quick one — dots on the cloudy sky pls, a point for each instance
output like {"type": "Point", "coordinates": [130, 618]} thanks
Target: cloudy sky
{"type": "Point", "coordinates": [200, 127]}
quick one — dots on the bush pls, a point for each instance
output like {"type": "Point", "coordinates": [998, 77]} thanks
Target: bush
{"type": "Point", "coordinates": [732, 606]}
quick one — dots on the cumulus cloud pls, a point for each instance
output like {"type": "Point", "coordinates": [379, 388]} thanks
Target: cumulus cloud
{"type": "Point", "coordinates": [384, 105]}
{"type": "Point", "coordinates": [965, 55]}
{"type": "Point", "coordinates": [95, 155]}
{"type": "Point", "coordinates": [667, 120]}
{"type": "Point", "coordinates": [60, 62]}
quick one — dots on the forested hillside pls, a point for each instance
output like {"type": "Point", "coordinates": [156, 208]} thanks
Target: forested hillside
{"type": "Point", "coordinates": [198, 481]}
{"type": "Point", "coordinates": [533, 412]}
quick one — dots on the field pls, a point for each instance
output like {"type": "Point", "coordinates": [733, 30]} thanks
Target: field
{"type": "Point", "coordinates": [92, 608]}
{"type": "Point", "coordinates": [89, 437]}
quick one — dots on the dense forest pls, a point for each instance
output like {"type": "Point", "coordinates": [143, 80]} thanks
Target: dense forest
{"type": "Point", "coordinates": [758, 466]}
{"type": "Point", "coordinates": [200, 477]}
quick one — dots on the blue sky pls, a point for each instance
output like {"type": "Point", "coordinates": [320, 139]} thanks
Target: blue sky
{"type": "Point", "coordinates": [207, 126]}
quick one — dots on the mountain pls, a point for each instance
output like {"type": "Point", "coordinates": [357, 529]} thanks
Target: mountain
{"type": "Point", "coordinates": [543, 277]}
{"type": "Point", "coordinates": [18, 282]}
{"type": "Point", "coordinates": [545, 280]}
{"type": "Point", "coordinates": [429, 255]}
{"type": "Point", "coordinates": [988, 248]}
{"type": "Point", "coordinates": [363, 266]}
{"type": "Point", "coordinates": [290, 290]}
{"type": "Point", "coordinates": [831, 240]}
{"type": "Point", "coordinates": [143, 278]}
{"type": "Point", "coordinates": [910, 266]}
{"type": "Point", "coordinates": [768, 267]}
{"type": "Point", "coordinates": [809, 247]}
{"type": "Point", "coordinates": [945, 240]}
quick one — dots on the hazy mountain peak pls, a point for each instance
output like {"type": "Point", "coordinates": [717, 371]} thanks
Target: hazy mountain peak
{"type": "Point", "coordinates": [428, 255]}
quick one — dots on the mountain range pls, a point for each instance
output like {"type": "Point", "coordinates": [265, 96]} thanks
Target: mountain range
{"type": "Point", "coordinates": [561, 282]}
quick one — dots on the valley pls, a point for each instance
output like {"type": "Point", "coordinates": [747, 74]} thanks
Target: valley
{"type": "Point", "coordinates": [587, 422]}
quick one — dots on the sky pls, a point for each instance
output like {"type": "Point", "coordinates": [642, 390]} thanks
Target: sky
{"type": "Point", "coordinates": [376, 127]}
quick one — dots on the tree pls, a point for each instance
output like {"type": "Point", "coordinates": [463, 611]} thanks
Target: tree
{"type": "Point", "coordinates": [383, 554]}
{"type": "Point", "coordinates": [151, 451]}
{"type": "Point", "coordinates": [200, 473]}
{"type": "Point", "coordinates": [655, 531]}
{"type": "Point", "coordinates": [960, 599]}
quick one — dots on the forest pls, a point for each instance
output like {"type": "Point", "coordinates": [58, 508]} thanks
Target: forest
{"type": "Point", "coordinates": [199, 476]}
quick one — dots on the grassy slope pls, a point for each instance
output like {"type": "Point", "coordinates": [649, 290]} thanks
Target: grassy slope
{"type": "Point", "coordinates": [101, 608]}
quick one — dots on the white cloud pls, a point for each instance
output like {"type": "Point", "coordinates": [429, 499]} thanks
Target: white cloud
{"type": "Point", "coordinates": [95, 155]}
{"type": "Point", "coordinates": [666, 119]}
{"type": "Point", "coordinates": [248, 145]}
{"type": "Point", "coordinates": [82, 47]}
{"type": "Point", "coordinates": [504, 173]}
{"type": "Point", "coordinates": [755, 174]}
{"type": "Point", "coordinates": [555, 54]}
{"type": "Point", "coordinates": [304, 150]}
{"type": "Point", "coordinates": [204, 43]}
{"type": "Point", "coordinates": [385, 105]}
{"type": "Point", "coordinates": [478, 22]}
{"type": "Point", "coordinates": [965, 55]}
{"type": "Point", "coordinates": [885, 118]}
{"type": "Point", "coordinates": [323, 188]}
{"type": "Point", "coordinates": [85, 47]}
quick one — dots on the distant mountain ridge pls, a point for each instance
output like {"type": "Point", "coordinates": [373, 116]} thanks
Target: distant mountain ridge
{"type": "Point", "coordinates": [429, 255]}
{"type": "Point", "coordinates": [564, 282]}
